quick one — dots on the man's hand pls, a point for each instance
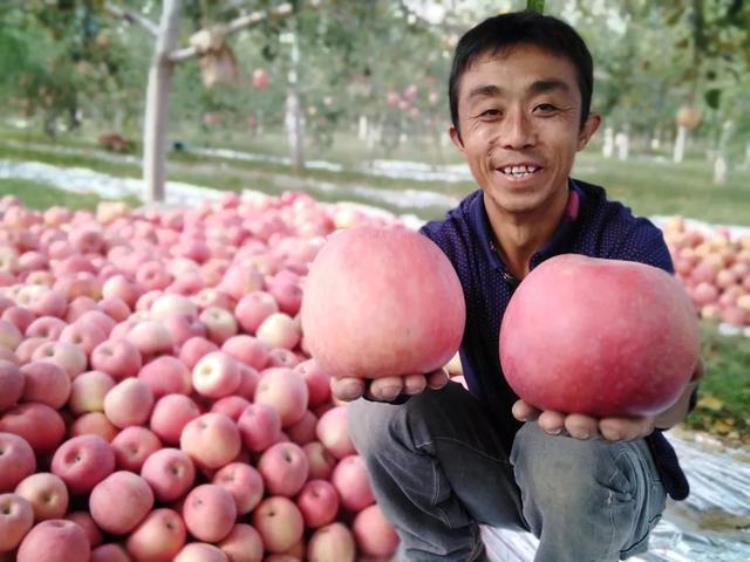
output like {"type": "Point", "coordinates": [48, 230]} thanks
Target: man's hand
{"type": "Point", "coordinates": [388, 388]}
{"type": "Point", "coordinates": [585, 427]}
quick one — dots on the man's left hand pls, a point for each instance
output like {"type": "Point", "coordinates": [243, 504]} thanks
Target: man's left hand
{"type": "Point", "coordinates": [585, 427]}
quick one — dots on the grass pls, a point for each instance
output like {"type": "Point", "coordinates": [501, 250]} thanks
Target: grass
{"type": "Point", "coordinates": [40, 196]}
{"type": "Point", "coordinates": [724, 394]}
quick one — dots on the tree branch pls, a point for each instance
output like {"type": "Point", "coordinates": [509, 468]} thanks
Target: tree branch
{"type": "Point", "coordinates": [132, 17]}
{"type": "Point", "coordinates": [242, 22]}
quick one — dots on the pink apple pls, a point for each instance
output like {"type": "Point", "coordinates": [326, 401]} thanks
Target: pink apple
{"type": "Point", "coordinates": [194, 349]}
{"type": "Point", "coordinates": [121, 287]}
{"type": "Point", "coordinates": [12, 382]}
{"type": "Point", "coordinates": [211, 297]}
{"type": "Point", "coordinates": [201, 552]}
{"type": "Point", "coordinates": [248, 350]}
{"type": "Point", "coordinates": [320, 460]}
{"type": "Point", "coordinates": [15, 321]}
{"type": "Point", "coordinates": [10, 335]}
{"type": "Point", "coordinates": [170, 416]}
{"type": "Point", "coordinates": [85, 335]}
{"type": "Point", "coordinates": [160, 536]}
{"type": "Point", "coordinates": [183, 327]}
{"type": "Point", "coordinates": [284, 469]}
{"type": "Point", "coordinates": [279, 522]}
{"type": "Point", "coordinates": [318, 501]}
{"type": "Point", "coordinates": [82, 462]}
{"type": "Point", "coordinates": [286, 391]}
{"type": "Point", "coordinates": [333, 433]}
{"type": "Point", "coordinates": [253, 309]}
{"type": "Point", "coordinates": [259, 426]}
{"type": "Point", "coordinates": [151, 338]}
{"type": "Point", "coordinates": [351, 481]}
{"type": "Point", "coordinates": [46, 493]}
{"type": "Point", "coordinates": [220, 324]}
{"type": "Point", "coordinates": [78, 306]}
{"type": "Point", "coordinates": [288, 295]}
{"type": "Point", "coordinates": [16, 518]}
{"type": "Point", "coordinates": [133, 445]}
{"type": "Point", "coordinates": [166, 375]}
{"type": "Point", "coordinates": [303, 432]}
{"type": "Point", "coordinates": [318, 382]}
{"type": "Point", "coordinates": [94, 423]}
{"type": "Point", "coordinates": [47, 327]}
{"type": "Point", "coordinates": [279, 330]}
{"type": "Point", "coordinates": [46, 383]}
{"type": "Point", "coordinates": [110, 553]}
{"type": "Point", "coordinates": [209, 512]}
{"type": "Point", "coordinates": [84, 520]}
{"type": "Point", "coordinates": [332, 542]}
{"type": "Point", "coordinates": [132, 497]}
{"type": "Point", "coordinates": [66, 355]}
{"type": "Point", "coordinates": [118, 358]}
{"type": "Point", "coordinates": [169, 472]}
{"type": "Point", "coordinates": [280, 357]}
{"type": "Point", "coordinates": [243, 544]}
{"type": "Point", "coordinates": [57, 540]}
{"type": "Point", "coordinates": [128, 403]}
{"type": "Point", "coordinates": [211, 440]}
{"type": "Point", "coordinates": [243, 482]}
{"type": "Point", "coordinates": [240, 280]}
{"type": "Point", "coordinates": [216, 375]}
{"type": "Point", "coordinates": [153, 276]}
{"type": "Point", "coordinates": [115, 308]}
{"type": "Point", "coordinates": [88, 390]}
{"type": "Point", "coordinates": [25, 351]}
{"type": "Point", "coordinates": [249, 379]}
{"type": "Point", "coordinates": [230, 406]}
{"type": "Point", "coordinates": [17, 461]}
{"type": "Point", "coordinates": [374, 533]}
{"type": "Point", "coordinates": [41, 426]}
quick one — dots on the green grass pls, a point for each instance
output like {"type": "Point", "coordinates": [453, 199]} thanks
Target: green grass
{"type": "Point", "coordinates": [40, 196]}
{"type": "Point", "coordinates": [724, 393]}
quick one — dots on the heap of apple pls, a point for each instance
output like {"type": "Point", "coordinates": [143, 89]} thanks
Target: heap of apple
{"type": "Point", "coordinates": [157, 398]}
{"type": "Point", "coordinates": [714, 266]}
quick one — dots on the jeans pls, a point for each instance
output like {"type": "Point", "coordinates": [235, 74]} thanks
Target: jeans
{"type": "Point", "coordinates": [438, 469]}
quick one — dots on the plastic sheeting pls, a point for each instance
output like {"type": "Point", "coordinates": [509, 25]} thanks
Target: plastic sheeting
{"type": "Point", "coordinates": [712, 525]}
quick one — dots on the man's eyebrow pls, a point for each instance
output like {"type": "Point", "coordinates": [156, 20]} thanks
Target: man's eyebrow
{"type": "Point", "coordinates": [542, 86]}
{"type": "Point", "coordinates": [487, 91]}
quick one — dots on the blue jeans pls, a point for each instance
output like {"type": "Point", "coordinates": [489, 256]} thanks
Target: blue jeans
{"type": "Point", "coordinates": [438, 469]}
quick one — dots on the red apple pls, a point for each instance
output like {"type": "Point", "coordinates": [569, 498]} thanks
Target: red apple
{"type": "Point", "coordinates": [211, 440]}
{"type": "Point", "coordinates": [279, 522]}
{"type": "Point", "coordinates": [46, 383]}
{"type": "Point", "coordinates": [374, 533]}
{"type": "Point", "coordinates": [12, 382]}
{"type": "Point", "coordinates": [259, 426]}
{"type": "Point", "coordinates": [46, 493]}
{"type": "Point", "coordinates": [243, 544]}
{"type": "Point", "coordinates": [351, 481]}
{"type": "Point", "coordinates": [133, 445]}
{"type": "Point", "coordinates": [332, 542]}
{"type": "Point", "coordinates": [170, 416]}
{"type": "Point", "coordinates": [57, 540]}
{"type": "Point", "coordinates": [286, 391]}
{"type": "Point", "coordinates": [132, 497]}
{"type": "Point", "coordinates": [16, 518]}
{"type": "Point", "coordinates": [318, 501]}
{"type": "Point", "coordinates": [160, 536]}
{"type": "Point", "coordinates": [169, 472]}
{"type": "Point", "coordinates": [82, 462]}
{"type": "Point", "coordinates": [209, 512]}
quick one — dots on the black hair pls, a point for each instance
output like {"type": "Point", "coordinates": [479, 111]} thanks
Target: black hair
{"type": "Point", "coordinates": [526, 27]}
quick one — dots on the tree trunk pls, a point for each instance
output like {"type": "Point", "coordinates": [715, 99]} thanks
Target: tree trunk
{"type": "Point", "coordinates": [294, 122]}
{"type": "Point", "coordinates": [157, 102]}
{"type": "Point", "coordinates": [679, 145]}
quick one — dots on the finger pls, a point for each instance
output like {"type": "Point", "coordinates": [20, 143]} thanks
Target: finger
{"type": "Point", "coordinates": [625, 429]}
{"type": "Point", "coordinates": [580, 426]}
{"type": "Point", "coordinates": [347, 388]}
{"type": "Point", "coordinates": [551, 422]}
{"type": "Point", "coordinates": [414, 384]}
{"type": "Point", "coordinates": [437, 379]}
{"type": "Point", "coordinates": [386, 388]}
{"type": "Point", "coordinates": [523, 411]}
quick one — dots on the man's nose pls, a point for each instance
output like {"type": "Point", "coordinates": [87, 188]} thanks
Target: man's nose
{"type": "Point", "coordinates": [517, 131]}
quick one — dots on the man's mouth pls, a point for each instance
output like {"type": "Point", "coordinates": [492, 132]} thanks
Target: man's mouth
{"type": "Point", "coordinates": [521, 171]}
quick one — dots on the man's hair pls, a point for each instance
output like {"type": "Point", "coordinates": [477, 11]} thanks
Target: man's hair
{"type": "Point", "coordinates": [527, 27]}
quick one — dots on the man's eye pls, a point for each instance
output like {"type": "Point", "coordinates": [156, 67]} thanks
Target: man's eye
{"type": "Point", "coordinates": [546, 107]}
{"type": "Point", "coordinates": [490, 113]}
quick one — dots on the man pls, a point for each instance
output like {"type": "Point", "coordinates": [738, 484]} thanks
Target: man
{"type": "Point", "coordinates": [443, 460]}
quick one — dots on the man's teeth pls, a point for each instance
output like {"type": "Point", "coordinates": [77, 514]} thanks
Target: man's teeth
{"type": "Point", "coordinates": [519, 170]}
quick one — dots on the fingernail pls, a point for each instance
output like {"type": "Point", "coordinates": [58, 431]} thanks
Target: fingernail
{"type": "Point", "coordinates": [553, 431]}
{"type": "Point", "coordinates": [391, 391]}
{"type": "Point", "coordinates": [350, 388]}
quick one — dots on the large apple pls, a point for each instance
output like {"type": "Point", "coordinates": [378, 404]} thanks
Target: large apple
{"type": "Point", "coordinates": [82, 462]}
{"type": "Point", "coordinates": [56, 540]}
{"type": "Point", "coordinates": [606, 338]}
{"type": "Point", "coordinates": [16, 518]}
{"type": "Point", "coordinates": [17, 461]}
{"type": "Point", "coordinates": [394, 294]}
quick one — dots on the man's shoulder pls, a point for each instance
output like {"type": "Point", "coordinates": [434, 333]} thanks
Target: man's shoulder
{"type": "Point", "coordinates": [457, 221]}
{"type": "Point", "coordinates": [616, 232]}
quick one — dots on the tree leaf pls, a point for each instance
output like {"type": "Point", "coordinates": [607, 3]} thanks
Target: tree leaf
{"type": "Point", "coordinates": [710, 402]}
{"type": "Point", "coordinates": [535, 5]}
{"type": "Point", "coordinates": [713, 96]}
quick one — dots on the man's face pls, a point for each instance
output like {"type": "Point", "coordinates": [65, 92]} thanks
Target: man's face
{"type": "Point", "coordinates": [519, 117]}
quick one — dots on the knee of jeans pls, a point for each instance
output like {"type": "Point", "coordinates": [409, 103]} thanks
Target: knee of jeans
{"type": "Point", "coordinates": [368, 424]}
{"type": "Point", "coordinates": [567, 474]}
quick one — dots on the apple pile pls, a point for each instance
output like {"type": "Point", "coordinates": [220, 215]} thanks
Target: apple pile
{"type": "Point", "coordinates": [714, 266]}
{"type": "Point", "coordinates": [157, 398]}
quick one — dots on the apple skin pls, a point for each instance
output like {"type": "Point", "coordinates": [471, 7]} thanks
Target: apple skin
{"type": "Point", "coordinates": [170, 416]}
{"type": "Point", "coordinates": [332, 542]}
{"type": "Point", "coordinates": [243, 544]}
{"type": "Point", "coordinates": [318, 501]}
{"type": "Point", "coordinates": [374, 534]}
{"type": "Point", "coordinates": [40, 425]}
{"type": "Point", "coordinates": [47, 494]}
{"type": "Point", "coordinates": [88, 390]}
{"type": "Point", "coordinates": [12, 382]}
{"type": "Point", "coordinates": [46, 383]}
{"type": "Point", "coordinates": [82, 462]}
{"type": "Point", "coordinates": [211, 440]}
{"type": "Point", "coordinates": [17, 461]}
{"type": "Point", "coordinates": [279, 522]}
{"type": "Point", "coordinates": [259, 426]}
{"type": "Point", "coordinates": [201, 552]}
{"type": "Point", "coordinates": [16, 519]}
{"type": "Point", "coordinates": [133, 445]}
{"type": "Point", "coordinates": [351, 480]}
{"type": "Point", "coordinates": [110, 553]}
{"type": "Point", "coordinates": [209, 512]}
{"type": "Point", "coordinates": [130, 493]}
{"type": "Point", "coordinates": [84, 520]}
{"type": "Point", "coordinates": [160, 536]}
{"type": "Point", "coordinates": [56, 540]}
{"type": "Point", "coordinates": [170, 473]}
{"type": "Point", "coordinates": [284, 469]}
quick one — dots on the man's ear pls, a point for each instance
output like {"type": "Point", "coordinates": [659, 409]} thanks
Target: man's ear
{"type": "Point", "coordinates": [456, 137]}
{"type": "Point", "coordinates": [588, 129]}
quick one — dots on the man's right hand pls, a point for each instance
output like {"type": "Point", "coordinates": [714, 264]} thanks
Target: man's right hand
{"type": "Point", "coordinates": [387, 389]}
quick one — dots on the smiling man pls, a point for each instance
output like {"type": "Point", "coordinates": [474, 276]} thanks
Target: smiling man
{"type": "Point", "coordinates": [443, 460]}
